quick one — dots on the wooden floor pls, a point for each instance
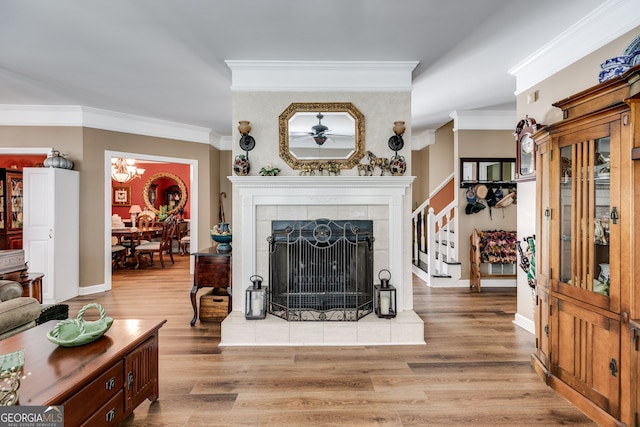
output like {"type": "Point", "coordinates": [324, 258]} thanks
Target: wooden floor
{"type": "Point", "coordinates": [474, 370]}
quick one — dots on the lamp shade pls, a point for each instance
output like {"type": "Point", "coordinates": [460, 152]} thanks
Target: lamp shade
{"type": "Point", "coordinates": [135, 209]}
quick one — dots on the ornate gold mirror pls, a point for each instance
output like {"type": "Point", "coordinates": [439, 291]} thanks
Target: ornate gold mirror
{"type": "Point", "coordinates": [164, 189]}
{"type": "Point", "coordinates": [320, 132]}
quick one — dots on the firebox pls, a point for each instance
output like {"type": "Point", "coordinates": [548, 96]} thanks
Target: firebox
{"type": "Point", "coordinates": [321, 269]}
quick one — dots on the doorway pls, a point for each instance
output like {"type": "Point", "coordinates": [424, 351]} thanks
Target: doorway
{"type": "Point", "coordinates": [193, 200]}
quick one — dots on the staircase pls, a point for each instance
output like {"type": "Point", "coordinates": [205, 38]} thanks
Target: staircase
{"type": "Point", "coordinates": [435, 243]}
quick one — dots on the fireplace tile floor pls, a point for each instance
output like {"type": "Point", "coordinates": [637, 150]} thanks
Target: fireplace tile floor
{"type": "Point", "coordinates": [406, 328]}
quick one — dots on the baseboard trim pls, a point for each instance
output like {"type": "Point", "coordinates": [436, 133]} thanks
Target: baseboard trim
{"type": "Point", "coordinates": [88, 290]}
{"type": "Point", "coordinates": [524, 323]}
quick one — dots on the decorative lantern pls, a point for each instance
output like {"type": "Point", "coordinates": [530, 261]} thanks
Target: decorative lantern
{"type": "Point", "coordinates": [256, 300]}
{"type": "Point", "coordinates": [384, 297]}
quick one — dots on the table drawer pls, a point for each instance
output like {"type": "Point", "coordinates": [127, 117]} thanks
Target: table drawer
{"type": "Point", "coordinates": [84, 403]}
{"type": "Point", "coordinates": [110, 414]}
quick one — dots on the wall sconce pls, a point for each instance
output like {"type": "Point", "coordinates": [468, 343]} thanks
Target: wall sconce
{"type": "Point", "coordinates": [256, 300]}
{"type": "Point", "coordinates": [384, 297]}
{"type": "Point", "coordinates": [241, 165]}
{"type": "Point", "coordinates": [134, 211]}
{"type": "Point", "coordinates": [397, 164]}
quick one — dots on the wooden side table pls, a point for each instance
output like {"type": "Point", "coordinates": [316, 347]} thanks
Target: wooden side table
{"type": "Point", "coordinates": [211, 270]}
{"type": "Point", "coordinates": [31, 284]}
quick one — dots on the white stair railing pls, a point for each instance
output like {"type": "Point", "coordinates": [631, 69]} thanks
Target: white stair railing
{"type": "Point", "coordinates": [420, 230]}
{"type": "Point", "coordinates": [443, 246]}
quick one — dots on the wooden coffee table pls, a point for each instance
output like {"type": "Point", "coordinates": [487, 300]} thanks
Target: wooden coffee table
{"type": "Point", "coordinates": [100, 383]}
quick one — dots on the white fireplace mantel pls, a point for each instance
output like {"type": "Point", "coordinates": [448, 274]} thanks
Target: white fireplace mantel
{"type": "Point", "coordinates": [390, 193]}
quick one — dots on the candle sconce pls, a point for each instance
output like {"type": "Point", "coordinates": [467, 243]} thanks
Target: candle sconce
{"type": "Point", "coordinates": [241, 165]}
{"type": "Point", "coordinates": [384, 297]}
{"type": "Point", "coordinates": [397, 163]}
{"type": "Point", "coordinates": [256, 300]}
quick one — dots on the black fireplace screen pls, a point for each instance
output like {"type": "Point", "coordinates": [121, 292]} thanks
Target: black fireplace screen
{"type": "Point", "coordinates": [321, 270]}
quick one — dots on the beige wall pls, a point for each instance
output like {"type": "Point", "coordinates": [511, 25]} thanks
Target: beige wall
{"type": "Point", "coordinates": [575, 78]}
{"type": "Point", "coordinates": [482, 143]}
{"type": "Point", "coordinates": [441, 156]}
{"type": "Point", "coordinates": [86, 147]}
{"type": "Point", "coordinates": [420, 169]}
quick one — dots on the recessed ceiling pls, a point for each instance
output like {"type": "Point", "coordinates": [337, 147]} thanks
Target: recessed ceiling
{"type": "Point", "coordinates": [165, 58]}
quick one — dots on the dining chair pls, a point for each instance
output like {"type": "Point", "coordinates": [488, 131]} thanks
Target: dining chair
{"type": "Point", "coordinates": [145, 224]}
{"type": "Point", "coordinates": [184, 239]}
{"type": "Point", "coordinates": [164, 245]}
{"type": "Point", "coordinates": [118, 254]}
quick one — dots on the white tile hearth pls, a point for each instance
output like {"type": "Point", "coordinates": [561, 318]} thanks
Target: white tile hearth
{"type": "Point", "coordinates": [406, 329]}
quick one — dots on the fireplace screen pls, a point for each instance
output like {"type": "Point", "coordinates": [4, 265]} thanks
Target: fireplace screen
{"type": "Point", "coordinates": [321, 270]}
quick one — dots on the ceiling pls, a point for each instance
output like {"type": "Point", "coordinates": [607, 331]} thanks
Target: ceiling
{"type": "Point", "coordinates": [164, 59]}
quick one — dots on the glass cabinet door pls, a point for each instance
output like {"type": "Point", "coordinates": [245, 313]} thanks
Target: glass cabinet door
{"type": "Point", "coordinates": [14, 184]}
{"type": "Point", "coordinates": [585, 215]}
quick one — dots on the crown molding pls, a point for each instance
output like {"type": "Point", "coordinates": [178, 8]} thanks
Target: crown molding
{"type": "Point", "coordinates": [75, 115]}
{"type": "Point", "coordinates": [422, 140]}
{"type": "Point", "coordinates": [609, 21]}
{"type": "Point", "coordinates": [321, 76]}
{"type": "Point", "coordinates": [483, 120]}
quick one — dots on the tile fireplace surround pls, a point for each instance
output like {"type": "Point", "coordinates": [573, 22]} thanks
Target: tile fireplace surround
{"type": "Point", "coordinates": [383, 199]}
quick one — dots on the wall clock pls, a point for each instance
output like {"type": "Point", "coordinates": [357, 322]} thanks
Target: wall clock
{"type": "Point", "coordinates": [526, 158]}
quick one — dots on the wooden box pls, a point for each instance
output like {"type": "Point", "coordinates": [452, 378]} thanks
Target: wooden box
{"type": "Point", "coordinates": [214, 305]}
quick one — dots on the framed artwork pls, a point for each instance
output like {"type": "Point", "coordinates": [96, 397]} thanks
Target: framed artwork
{"type": "Point", "coordinates": [121, 196]}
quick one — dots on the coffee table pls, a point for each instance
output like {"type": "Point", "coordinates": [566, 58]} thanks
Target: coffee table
{"type": "Point", "coordinates": [98, 383]}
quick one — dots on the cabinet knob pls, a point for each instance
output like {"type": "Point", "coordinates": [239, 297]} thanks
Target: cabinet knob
{"type": "Point", "coordinates": [625, 317]}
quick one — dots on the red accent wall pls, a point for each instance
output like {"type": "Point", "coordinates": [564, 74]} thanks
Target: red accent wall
{"type": "Point", "coordinates": [183, 171]}
{"type": "Point", "coordinates": [21, 161]}
{"type": "Point", "coordinates": [443, 197]}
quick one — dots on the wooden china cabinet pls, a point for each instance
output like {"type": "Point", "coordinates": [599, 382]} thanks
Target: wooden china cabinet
{"type": "Point", "coordinates": [588, 260]}
{"type": "Point", "coordinates": [10, 209]}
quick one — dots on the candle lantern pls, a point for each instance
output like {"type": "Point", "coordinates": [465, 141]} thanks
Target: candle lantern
{"type": "Point", "coordinates": [384, 296]}
{"type": "Point", "coordinates": [256, 299]}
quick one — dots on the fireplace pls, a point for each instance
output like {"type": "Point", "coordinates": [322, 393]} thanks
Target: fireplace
{"type": "Point", "coordinates": [383, 200]}
{"type": "Point", "coordinates": [321, 270]}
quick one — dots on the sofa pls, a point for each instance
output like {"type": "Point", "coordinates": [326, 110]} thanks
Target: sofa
{"type": "Point", "coordinates": [17, 313]}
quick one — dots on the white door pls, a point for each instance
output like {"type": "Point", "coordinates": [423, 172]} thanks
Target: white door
{"type": "Point", "coordinates": [51, 230]}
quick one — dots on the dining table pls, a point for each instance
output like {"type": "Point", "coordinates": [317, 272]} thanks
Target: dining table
{"type": "Point", "coordinates": [133, 234]}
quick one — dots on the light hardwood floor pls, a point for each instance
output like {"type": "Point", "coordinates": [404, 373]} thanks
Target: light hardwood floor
{"type": "Point", "coordinates": [474, 370]}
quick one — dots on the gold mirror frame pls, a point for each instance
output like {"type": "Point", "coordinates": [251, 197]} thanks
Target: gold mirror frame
{"type": "Point", "coordinates": [345, 107]}
{"type": "Point", "coordinates": [179, 183]}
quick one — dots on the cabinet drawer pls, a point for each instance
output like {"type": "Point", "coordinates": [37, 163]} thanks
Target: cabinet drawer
{"type": "Point", "coordinates": [84, 403]}
{"type": "Point", "coordinates": [110, 414]}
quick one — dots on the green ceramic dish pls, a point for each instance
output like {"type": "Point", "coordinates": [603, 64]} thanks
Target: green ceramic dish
{"type": "Point", "coordinates": [75, 332]}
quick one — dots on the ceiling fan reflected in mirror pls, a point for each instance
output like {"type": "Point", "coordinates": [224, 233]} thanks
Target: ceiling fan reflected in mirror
{"type": "Point", "coordinates": [319, 131]}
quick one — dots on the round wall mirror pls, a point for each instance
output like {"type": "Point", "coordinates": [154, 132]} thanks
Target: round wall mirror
{"type": "Point", "coordinates": [164, 189]}
{"type": "Point", "coordinates": [312, 133]}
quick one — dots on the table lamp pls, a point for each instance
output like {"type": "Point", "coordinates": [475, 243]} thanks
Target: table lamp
{"type": "Point", "coordinates": [135, 210]}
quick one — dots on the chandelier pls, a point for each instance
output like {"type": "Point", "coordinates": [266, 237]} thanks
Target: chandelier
{"type": "Point", "coordinates": [124, 170]}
